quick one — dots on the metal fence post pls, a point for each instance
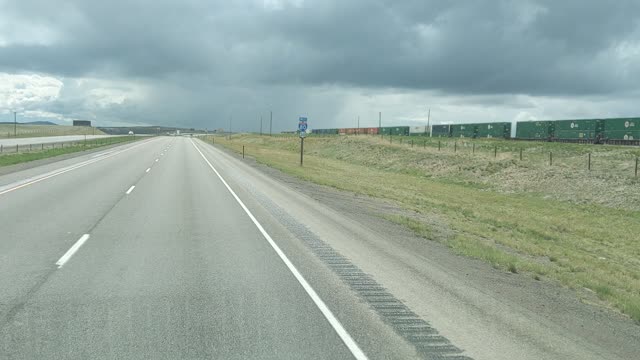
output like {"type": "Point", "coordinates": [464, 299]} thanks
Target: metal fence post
{"type": "Point", "coordinates": [589, 167]}
{"type": "Point", "coordinates": [550, 158]}
{"type": "Point", "coordinates": [455, 146]}
{"type": "Point", "coordinates": [438, 145]}
{"type": "Point", "coordinates": [243, 151]}
{"type": "Point", "coordinates": [16, 148]}
{"type": "Point", "coordinates": [495, 151]}
{"type": "Point", "coordinates": [520, 154]}
{"type": "Point", "coordinates": [474, 148]}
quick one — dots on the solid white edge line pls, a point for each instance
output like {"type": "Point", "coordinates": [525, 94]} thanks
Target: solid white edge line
{"type": "Point", "coordinates": [335, 323]}
{"type": "Point", "coordinates": [70, 168]}
{"type": "Point", "coordinates": [130, 189]}
{"type": "Point", "coordinates": [72, 250]}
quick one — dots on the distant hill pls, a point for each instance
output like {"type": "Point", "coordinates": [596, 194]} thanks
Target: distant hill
{"type": "Point", "coordinates": [31, 123]}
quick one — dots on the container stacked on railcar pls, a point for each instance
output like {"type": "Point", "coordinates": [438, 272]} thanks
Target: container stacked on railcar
{"type": "Point", "coordinates": [325, 131]}
{"type": "Point", "coordinates": [494, 130]}
{"type": "Point", "coordinates": [613, 131]}
{"type": "Point", "coordinates": [464, 130]}
{"type": "Point", "coordinates": [395, 130]}
{"type": "Point", "coordinates": [582, 129]}
{"type": "Point", "coordinates": [441, 130]}
{"type": "Point", "coordinates": [535, 130]}
{"type": "Point", "coordinates": [622, 129]}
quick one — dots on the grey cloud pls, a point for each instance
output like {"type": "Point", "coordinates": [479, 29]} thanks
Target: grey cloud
{"type": "Point", "coordinates": [484, 46]}
{"type": "Point", "coordinates": [198, 54]}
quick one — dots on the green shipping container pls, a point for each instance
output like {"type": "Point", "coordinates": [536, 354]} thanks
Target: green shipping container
{"type": "Point", "coordinates": [441, 130]}
{"type": "Point", "coordinates": [622, 129]}
{"type": "Point", "coordinates": [624, 124]}
{"type": "Point", "coordinates": [535, 129]}
{"type": "Point", "coordinates": [395, 130]}
{"type": "Point", "coordinates": [577, 125]}
{"type": "Point", "coordinates": [464, 130]}
{"type": "Point", "coordinates": [494, 130]}
{"type": "Point", "coordinates": [576, 134]}
{"type": "Point", "coordinates": [623, 135]}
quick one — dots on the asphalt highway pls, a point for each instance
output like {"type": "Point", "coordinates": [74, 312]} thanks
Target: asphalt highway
{"type": "Point", "coordinates": [171, 248]}
{"type": "Point", "coordinates": [145, 251]}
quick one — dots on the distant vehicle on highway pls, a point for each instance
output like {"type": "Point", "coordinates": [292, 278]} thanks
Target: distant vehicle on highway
{"type": "Point", "coordinates": [131, 133]}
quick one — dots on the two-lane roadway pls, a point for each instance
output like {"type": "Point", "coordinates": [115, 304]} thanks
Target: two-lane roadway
{"type": "Point", "coordinates": [146, 251]}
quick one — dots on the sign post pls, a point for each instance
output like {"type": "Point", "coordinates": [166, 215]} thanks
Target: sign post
{"type": "Point", "coordinates": [302, 129]}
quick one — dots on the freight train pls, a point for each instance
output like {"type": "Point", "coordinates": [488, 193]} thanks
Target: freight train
{"type": "Point", "coordinates": [613, 131]}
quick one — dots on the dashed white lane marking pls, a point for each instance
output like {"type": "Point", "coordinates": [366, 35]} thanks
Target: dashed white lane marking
{"type": "Point", "coordinates": [149, 169]}
{"type": "Point", "coordinates": [102, 154]}
{"type": "Point", "coordinates": [157, 160]}
{"type": "Point", "coordinates": [335, 323]}
{"type": "Point", "coordinates": [130, 189]}
{"type": "Point", "coordinates": [72, 250]}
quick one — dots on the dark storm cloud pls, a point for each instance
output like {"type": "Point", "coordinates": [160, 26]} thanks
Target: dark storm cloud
{"type": "Point", "coordinates": [475, 46]}
{"type": "Point", "coordinates": [493, 47]}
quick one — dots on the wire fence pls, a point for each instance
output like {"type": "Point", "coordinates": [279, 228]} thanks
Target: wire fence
{"type": "Point", "coordinates": [589, 158]}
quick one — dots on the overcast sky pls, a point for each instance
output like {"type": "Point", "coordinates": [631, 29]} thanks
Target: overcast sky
{"type": "Point", "coordinates": [197, 63]}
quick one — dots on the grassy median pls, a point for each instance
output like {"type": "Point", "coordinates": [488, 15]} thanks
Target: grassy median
{"type": "Point", "coordinates": [27, 130]}
{"type": "Point", "coordinates": [26, 156]}
{"type": "Point", "coordinates": [561, 221]}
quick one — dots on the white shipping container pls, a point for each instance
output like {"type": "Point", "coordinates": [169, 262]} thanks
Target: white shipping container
{"type": "Point", "coordinates": [417, 129]}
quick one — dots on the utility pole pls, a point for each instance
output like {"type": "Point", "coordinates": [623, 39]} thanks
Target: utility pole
{"type": "Point", "coordinates": [260, 125]}
{"type": "Point", "coordinates": [358, 132]}
{"type": "Point", "coordinates": [230, 118]}
{"type": "Point", "coordinates": [428, 121]}
{"type": "Point", "coordinates": [380, 123]}
{"type": "Point", "coordinates": [15, 125]}
{"type": "Point", "coordinates": [270, 121]}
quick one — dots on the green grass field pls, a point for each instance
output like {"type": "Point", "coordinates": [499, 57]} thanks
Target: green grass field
{"type": "Point", "coordinates": [561, 222]}
{"type": "Point", "coordinates": [17, 158]}
{"type": "Point", "coordinates": [7, 130]}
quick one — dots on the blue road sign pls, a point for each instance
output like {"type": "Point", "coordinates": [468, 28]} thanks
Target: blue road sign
{"type": "Point", "coordinates": [302, 124]}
